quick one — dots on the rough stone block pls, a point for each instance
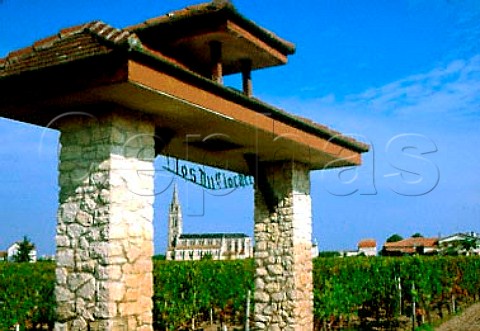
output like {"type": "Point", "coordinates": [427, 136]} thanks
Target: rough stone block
{"type": "Point", "coordinates": [103, 201]}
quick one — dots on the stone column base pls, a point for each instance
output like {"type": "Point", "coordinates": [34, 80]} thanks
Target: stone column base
{"type": "Point", "coordinates": [283, 257]}
{"type": "Point", "coordinates": [104, 233]}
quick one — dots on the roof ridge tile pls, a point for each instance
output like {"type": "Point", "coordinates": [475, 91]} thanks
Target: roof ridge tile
{"type": "Point", "coordinates": [122, 36]}
{"type": "Point", "coordinates": [46, 42]}
{"type": "Point", "coordinates": [94, 25]}
{"type": "Point", "coordinates": [67, 32]}
{"type": "Point", "coordinates": [109, 33]}
{"type": "Point", "coordinates": [19, 53]}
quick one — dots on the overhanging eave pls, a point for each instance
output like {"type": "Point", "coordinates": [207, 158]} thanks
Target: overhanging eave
{"type": "Point", "coordinates": [210, 124]}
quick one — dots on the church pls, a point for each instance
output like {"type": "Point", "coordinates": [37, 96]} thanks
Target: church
{"type": "Point", "coordinates": [195, 246]}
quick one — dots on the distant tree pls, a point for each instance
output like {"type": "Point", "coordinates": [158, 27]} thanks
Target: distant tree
{"type": "Point", "coordinates": [450, 251]}
{"type": "Point", "coordinates": [25, 247]}
{"type": "Point", "coordinates": [468, 245]}
{"type": "Point", "coordinates": [417, 235]}
{"type": "Point", "coordinates": [420, 250]}
{"type": "Point", "coordinates": [328, 254]}
{"type": "Point", "coordinates": [159, 257]}
{"type": "Point", "coordinates": [394, 238]}
{"type": "Point", "coordinates": [207, 256]}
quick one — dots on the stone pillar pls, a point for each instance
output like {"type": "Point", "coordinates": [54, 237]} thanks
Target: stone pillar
{"type": "Point", "coordinates": [283, 259]}
{"type": "Point", "coordinates": [105, 232]}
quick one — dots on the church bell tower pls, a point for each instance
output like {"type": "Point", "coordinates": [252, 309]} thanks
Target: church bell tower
{"type": "Point", "coordinates": [174, 223]}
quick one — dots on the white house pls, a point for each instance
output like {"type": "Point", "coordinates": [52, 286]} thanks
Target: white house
{"type": "Point", "coordinates": [367, 247]}
{"type": "Point", "coordinates": [315, 249]}
{"type": "Point", "coordinates": [456, 242]}
{"type": "Point", "coordinates": [13, 250]}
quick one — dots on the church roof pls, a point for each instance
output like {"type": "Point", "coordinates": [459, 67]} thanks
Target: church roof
{"type": "Point", "coordinates": [212, 235]}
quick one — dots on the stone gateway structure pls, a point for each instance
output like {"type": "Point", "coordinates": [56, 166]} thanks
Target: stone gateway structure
{"type": "Point", "coordinates": [119, 97]}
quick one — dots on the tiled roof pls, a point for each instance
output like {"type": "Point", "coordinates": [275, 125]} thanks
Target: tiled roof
{"type": "Point", "coordinates": [184, 13]}
{"type": "Point", "coordinates": [212, 235]}
{"type": "Point", "coordinates": [331, 135]}
{"type": "Point", "coordinates": [469, 236]}
{"type": "Point", "coordinates": [412, 242]}
{"type": "Point", "coordinates": [68, 45]}
{"type": "Point", "coordinates": [190, 247]}
{"type": "Point", "coordinates": [98, 38]}
{"type": "Point", "coordinates": [216, 7]}
{"type": "Point", "coordinates": [367, 243]}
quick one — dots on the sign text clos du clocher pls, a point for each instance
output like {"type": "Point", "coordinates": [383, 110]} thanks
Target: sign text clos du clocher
{"type": "Point", "coordinates": [218, 180]}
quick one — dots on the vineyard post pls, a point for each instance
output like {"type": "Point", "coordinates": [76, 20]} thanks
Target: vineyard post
{"type": "Point", "coordinates": [247, 313]}
{"type": "Point", "coordinates": [413, 307]}
{"type": "Point", "coordinates": [399, 282]}
{"type": "Point", "coordinates": [453, 304]}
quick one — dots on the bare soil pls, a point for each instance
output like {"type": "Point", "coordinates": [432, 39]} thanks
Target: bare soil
{"type": "Point", "coordinates": [469, 320]}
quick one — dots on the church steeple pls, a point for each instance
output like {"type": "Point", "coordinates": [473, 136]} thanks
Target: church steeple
{"type": "Point", "coordinates": [175, 223]}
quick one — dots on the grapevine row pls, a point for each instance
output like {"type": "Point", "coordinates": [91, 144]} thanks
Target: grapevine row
{"type": "Point", "coordinates": [347, 291]}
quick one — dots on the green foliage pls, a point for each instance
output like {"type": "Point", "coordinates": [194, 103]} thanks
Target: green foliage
{"type": "Point", "coordinates": [368, 288]}
{"type": "Point", "coordinates": [26, 294]}
{"type": "Point", "coordinates": [417, 235]}
{"type": "Point", "coordinates": [207, 256]}
{"type": "Point", "coordinates": [469, 244]}
{"type": "Point", "coordinates": [329, 254]}
{"type": "Point", "coordinates": [25, 247]}
{"type": "Point", "coordinates": [159, 257]}
{"type": "Point", "coordinates": [359, 287]}
{"type": "Point", "coordinates": [394, 238]}
{"type": "Point", "coordinates": [190, 289]}
{"type": "Point", "coordinates": [425, 327]}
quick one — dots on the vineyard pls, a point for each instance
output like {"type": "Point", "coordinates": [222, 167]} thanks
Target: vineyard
{"type": "Point", "coordinates": [26, 295]}
{"type": "Point", "coordinates": [381, 292]}
{"type": "Point", "coordinates": [363, 293]}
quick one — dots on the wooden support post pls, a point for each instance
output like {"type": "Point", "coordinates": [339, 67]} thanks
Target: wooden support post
{"type": "Point", "coordinates": [216, 61]}
{"type": "Point", "coordinates": [247, 77]}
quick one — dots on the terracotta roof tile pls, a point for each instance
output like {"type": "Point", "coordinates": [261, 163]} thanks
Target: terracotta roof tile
{"type": "Point", "coordinates": [216, 6]}
{"type": "Point", "coordinates": [413, 242]}
{"type": "Point", "coordinates": [367, 243]}
{"type": "Point", "coordinates": [64, 33]}
{"type": "Point", "coordinates": [332, 135]}
{"type": "Point", "coordinates": [69, 44]}
{"type": "Point", "coordinates": [95, 38]}
{"type": "Point", "coordinates": [190, 11]}
{"type": "Point", "coordinates": [45, 42]}
{"type": "Point", "coordinates": [20, 52]}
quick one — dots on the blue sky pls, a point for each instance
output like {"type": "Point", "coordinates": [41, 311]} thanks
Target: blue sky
{"type": "Point", "coordinates": [403, 76]}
